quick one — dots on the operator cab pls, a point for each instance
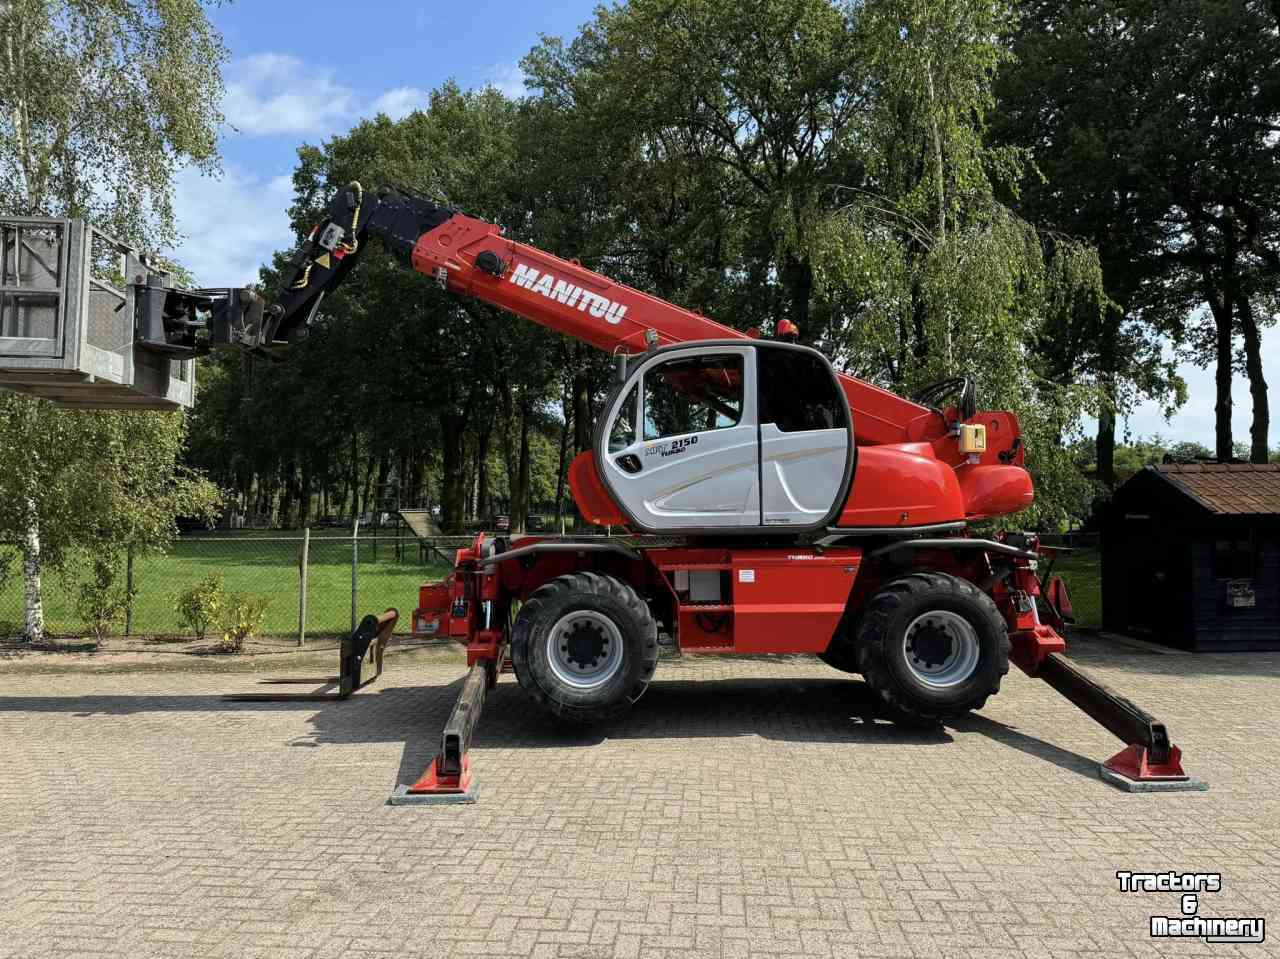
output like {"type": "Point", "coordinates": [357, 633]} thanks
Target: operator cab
{"type": "Point", "coordinates": [728, 436]}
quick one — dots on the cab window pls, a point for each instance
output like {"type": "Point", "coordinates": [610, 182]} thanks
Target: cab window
{"type": "Point", "coordinates": [797, 392]}
{"type": "Point", "coordinates": [623, 433]}
{"type": "Point", "coordinates": [692, 394]}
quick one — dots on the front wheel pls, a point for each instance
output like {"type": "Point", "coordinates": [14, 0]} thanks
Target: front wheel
{"type": "Point", "coordinates": [933, 647]}
{"type": "Point", "coordinates": [584, 646]}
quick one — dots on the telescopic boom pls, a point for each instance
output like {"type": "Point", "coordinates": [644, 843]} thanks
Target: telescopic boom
{"type": "Point", "coordinates": [472, 257]}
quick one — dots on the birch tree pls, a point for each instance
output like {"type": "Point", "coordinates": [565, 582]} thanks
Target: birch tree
{"type": "Point", "coordinates": [101, 103]}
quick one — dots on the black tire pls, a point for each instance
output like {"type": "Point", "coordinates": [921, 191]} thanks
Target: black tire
{"type": "Point", "coordinates": [883, 656]}
{"type": "Point", "coordinates": [596, 596]}
{"type": "Point", "coordinates": [841, 654]}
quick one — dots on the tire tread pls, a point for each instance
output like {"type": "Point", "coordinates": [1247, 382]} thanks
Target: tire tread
{"type": "Point", "coordinates": [872, 654]}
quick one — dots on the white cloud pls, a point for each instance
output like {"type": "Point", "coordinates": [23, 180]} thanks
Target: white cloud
{"type": "Point", "coordinates": [400, 102]}
{"type": "Point", "coordinates": [272, 93]}
{"type": "Point", "coordinates": [279, 94]}
{"type": "Point", "coordinates": [232, 224]}
{"type": "Point", "coordinates": [506, 78]}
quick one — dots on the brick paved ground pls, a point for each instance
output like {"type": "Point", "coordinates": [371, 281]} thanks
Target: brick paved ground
{"type": "Point", "coordinates": [747, 808]}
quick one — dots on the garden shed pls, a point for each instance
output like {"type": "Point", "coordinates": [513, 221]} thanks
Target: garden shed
{"type": "Point", "coordinates": [1191, 557]}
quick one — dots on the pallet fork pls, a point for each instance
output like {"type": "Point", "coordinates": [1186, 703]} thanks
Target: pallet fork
{"type": "Point", "coordinates": [359, 664]}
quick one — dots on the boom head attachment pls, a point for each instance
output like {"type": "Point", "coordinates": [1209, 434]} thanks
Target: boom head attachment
{"type": "Point", "coordinates": [333, 247]}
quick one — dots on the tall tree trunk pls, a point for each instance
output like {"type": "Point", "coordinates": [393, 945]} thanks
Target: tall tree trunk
{"type": "Point", "coordinates": [919, 328]}
{"type": "Point", "coordinates": [581, 406]}
{"type": "Point", "coordinates": [1105, 444]}
{"type": "Point", "coordinates": [1259, 449]}
{"type": "Point", "coordinates": [286, 501]}
{"type": "Point", "coordinates": [566, 408]}
{"type": "Point", "coordinates": [483, 506]}
{"type": "Point", "coordinates": [510, 434]}
{"type": "Point", "coordinates": [366, 502]}
{"type": "Point", "coordinates": [520, 493]}
{"type": "Point", "coordinates": [304, 498]}
{"type": "Point", "coordinates": [33, 620]}
{"type": "Point", "coordinates": [797, 276]}
{"type": "Point", "coordinates": [468, 478]}
{"type": "Point", "coordinates": [452, 491]}
{"type": "Point", "coordinates": [380, 491]}
{"type": "Point", "coordinates": [1220, 306]}
{"type": "Point", "coordinates": [419, 478]}
{"type": "Point", "coordinates": [354, 480]}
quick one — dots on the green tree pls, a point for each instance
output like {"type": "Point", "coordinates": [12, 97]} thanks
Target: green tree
{"type": "Point", "coordinates": [108, 483]}
{"type": "Point", "coordinates": [1155, 124]}
{"type": "Point", "coordinates": [1064, 97]}
{"type": "Point", "coordinates": [746, 108]}
{"type": "Point", "coordinates": [444, 365]}
{"type": "Point", "coordinates": [100, 104]}
{"type": "Point", "coordinates": [934, 276]}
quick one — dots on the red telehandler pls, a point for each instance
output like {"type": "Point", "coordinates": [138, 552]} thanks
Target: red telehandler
{"type": "Point", "coordinates": [774, 505]}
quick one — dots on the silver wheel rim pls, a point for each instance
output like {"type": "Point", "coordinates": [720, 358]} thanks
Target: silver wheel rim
{"type": "Point", "coordinates": [941, 648]}
{"type": "Point", "coordinates": [584, 649]}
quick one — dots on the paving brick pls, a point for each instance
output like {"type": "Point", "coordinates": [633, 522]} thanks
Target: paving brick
{"type": "Point", "coordinates": [746, 807]}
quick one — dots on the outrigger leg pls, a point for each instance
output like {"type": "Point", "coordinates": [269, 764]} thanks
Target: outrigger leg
{"type": "Point", "coordinates": [1149, 762]}
{"type": "Point", "coordinates": [448, 779]}
{"type": "Point", "coordinates": [359, 664]}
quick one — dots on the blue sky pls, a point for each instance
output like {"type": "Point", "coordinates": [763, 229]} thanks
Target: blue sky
{"type": "Point", "coordinates": [301, 72]}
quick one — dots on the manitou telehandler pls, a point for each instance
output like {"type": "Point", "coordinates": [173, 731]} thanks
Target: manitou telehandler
{"type": "Point", "coordinates": [772, 504]}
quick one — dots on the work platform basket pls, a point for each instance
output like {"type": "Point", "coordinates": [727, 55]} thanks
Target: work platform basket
{"type": "Point", "coordinates": [67, 320]}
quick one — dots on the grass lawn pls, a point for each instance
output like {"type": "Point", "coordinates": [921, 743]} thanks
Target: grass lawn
{"type": "Point", "coordinates": [251, 563]}
{"type": "Point", "coordinates": [1081, 571]}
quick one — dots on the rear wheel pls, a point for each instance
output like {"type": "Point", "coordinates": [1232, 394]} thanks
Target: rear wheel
{"type": "Point", "coordinates": [933, 647]}
{"type": "Point", "coordinates": [585, 646]}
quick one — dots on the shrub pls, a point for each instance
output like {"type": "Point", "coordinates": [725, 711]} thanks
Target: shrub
{"type": "Point", "coordinates": [201, 606]}
{"type": "Point", "coordinates": [102, 601]}
{"type": "Point", "coordinates": [242, 618]}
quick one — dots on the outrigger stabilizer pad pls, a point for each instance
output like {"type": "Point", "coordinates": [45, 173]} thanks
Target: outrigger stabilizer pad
{"type": "Point", "coordinates": [359, 664]}
{"type": "Point", "coordinates": [449, 779]}
{"type": "Point", "coordinates": [1133, 770]}
{"type": "Point", "coordinates": [1150, 763]}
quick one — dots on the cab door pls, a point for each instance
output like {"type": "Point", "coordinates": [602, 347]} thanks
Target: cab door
{"type": "Point", "coordinates": [682, 450]}
{"type": "Point", "coordinates": [806, 438]}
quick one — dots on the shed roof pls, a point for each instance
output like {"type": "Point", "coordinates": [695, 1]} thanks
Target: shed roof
{"type": "Point", "coordinates": [1236, 489]}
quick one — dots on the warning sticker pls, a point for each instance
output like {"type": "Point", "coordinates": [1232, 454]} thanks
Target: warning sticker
{"type": "Point", "coordinates": [746, 576]}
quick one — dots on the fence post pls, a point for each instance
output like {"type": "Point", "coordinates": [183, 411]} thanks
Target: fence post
{"type": "Point", "coordinates": [355, 564]}
{"type": "Point", "coordinates": [302, 592]}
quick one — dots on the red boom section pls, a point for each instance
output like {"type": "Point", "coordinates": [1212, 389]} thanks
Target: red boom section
{"type": "Point", "coordinates": [570, 299]}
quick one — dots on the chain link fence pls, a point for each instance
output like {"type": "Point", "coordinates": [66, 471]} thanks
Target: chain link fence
{"type": "Point", "coordinates": [346, 577]}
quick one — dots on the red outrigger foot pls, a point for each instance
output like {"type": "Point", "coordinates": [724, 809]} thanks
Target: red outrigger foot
{"type": "Point", "coordinates": [448, 779]}
{"type": "Point", "coordinates": [1135, 769]}
{"type": "Point", "coordinates": [436, 787]}
{"type": "Point", "coordinates": [1150, 763]}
